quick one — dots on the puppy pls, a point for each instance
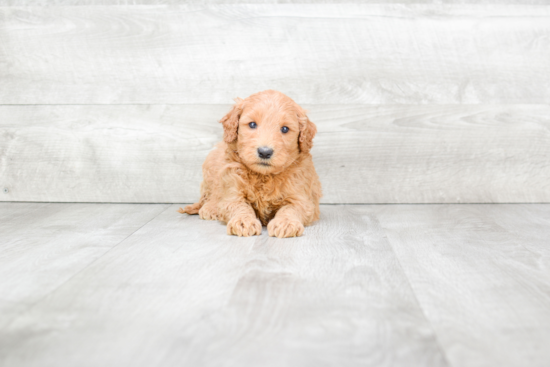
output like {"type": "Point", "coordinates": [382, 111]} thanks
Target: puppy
{"type": "Point", "coordinates": [262, 172]}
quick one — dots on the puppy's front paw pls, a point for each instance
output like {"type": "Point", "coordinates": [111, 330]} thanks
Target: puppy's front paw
{"type": "Point", "coordinates": [244, 226]}
{"type": "Point", "coordinates": [208, 212]}
{"type": "Point", "coordinates": [285, 227]}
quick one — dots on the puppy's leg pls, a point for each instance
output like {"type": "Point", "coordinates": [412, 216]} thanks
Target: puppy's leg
{"type": "Point", "coordinates": [241, 219]}
{"type": "Point", "coordinates": [209, 211]}
{"type": "Point", "coordinates": [289, 221]}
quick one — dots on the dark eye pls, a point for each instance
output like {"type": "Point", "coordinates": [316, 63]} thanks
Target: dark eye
{"type": "Point", "coordinates": [284, 129]}
{"type": "Point", "coordinates": [252, 125]}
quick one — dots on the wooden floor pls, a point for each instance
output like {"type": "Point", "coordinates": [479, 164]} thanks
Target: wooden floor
{"type": "Point", "coordinates": [368, 285]}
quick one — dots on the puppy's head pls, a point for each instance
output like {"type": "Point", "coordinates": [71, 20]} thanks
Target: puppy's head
{"type": "Point", "coordinates": [269, 131]}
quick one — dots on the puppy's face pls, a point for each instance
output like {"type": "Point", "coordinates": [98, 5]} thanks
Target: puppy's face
{"type": "Point", "coordinates": [270, 131]}
{"type": "Point", "coordinates": [268, 135]}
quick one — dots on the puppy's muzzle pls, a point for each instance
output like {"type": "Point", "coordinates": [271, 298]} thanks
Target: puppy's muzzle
{"type": "Point", "coordinates": [265, 152]}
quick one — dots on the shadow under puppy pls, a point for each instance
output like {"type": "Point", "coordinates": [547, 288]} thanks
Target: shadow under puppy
{"type": "Point", "coordinates": [262, 172]}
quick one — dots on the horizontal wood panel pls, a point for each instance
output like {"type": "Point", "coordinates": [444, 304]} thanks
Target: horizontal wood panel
{"type": "Point", "coordinates": [318, 54]}
{"type": "Point", "coordinates": [363, 154]}
{"type": "Point", "coordinates": [180, 2]}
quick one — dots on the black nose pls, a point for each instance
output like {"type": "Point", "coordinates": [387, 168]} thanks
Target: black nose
{"type": "Point", "coordinates": [265, 152]}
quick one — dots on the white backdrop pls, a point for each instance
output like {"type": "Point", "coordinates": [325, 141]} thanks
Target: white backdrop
{"type": "Point", "coordinates": [415, 102]}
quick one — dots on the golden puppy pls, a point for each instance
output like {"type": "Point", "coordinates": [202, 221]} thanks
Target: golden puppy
{"type": "Point", "coordinates": [262, 171]}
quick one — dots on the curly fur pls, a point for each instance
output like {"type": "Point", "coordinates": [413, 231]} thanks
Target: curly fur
{"type": "Point", "coordinates": [246, 191]}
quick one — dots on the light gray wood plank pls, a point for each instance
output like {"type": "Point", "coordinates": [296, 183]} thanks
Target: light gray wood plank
{"type": "Point", "coordinates": [208, 2]}
{"type": "Point", "coordinates": [482, 275]}
{"type": "Point", "coordinates": [44, 245]}
{"type": "Point", "coordinates": [363, 154]}
{"type": "Point", "coordinates": [181, 292]}
{"type": "Point", "coordinates": [106, 153]}
{"type": "Point", "coordinates": [434, 154]}
{"type": "Point", "coordinates": [14, 212]}
{"type": "Point", "coordinates": [316, 53]}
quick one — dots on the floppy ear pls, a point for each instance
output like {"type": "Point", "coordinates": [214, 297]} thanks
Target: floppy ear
{"type": "Point", "coordinates": [307, 132]}
{"type": "Point", "coordinates": [230, 121]}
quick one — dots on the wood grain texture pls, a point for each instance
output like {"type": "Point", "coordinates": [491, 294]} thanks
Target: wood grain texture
{"type": "Point", "coordinates": [180, 291]}
{"type": "Point", "coordinates": [363, 154]}
{"type": "Point", "coordinates": [316, 53]}
{"type": "Point", "coordinates": [482, 275]}
{"type": "Point", "coordinates": [208, 2]}
{"type": "Point", "coordinates": [44, 245]}
{"type": "Point", "coordinates": [106, 153]}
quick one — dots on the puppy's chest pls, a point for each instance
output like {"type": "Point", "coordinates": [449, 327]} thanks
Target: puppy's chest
{"type": "Point", "coordinates": [265, 199]}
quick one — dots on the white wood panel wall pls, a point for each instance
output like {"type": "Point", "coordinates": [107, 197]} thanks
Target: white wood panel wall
{"type": "Point", "coordinates": [374, 154]}
{"type": "Point", "coordinates": [318, 54]}
{"type": "Point", "coordinates": [211, 2]}
{"type": "Point", "coordinates": [415, 103]}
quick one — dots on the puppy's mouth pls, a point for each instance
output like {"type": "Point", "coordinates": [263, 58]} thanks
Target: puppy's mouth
{"type": "Point", "coordinates": [264, 164]}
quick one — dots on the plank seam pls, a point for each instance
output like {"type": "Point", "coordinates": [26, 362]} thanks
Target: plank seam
{"type": "Point", "coordinates": [413, 291]}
